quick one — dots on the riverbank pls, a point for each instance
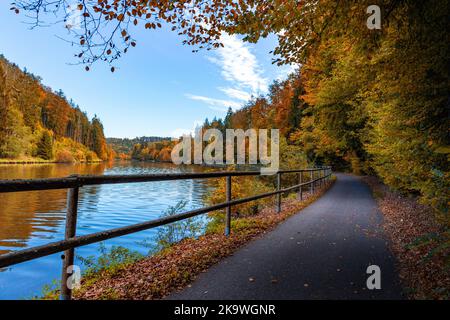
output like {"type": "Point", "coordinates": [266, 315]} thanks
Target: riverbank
{"type": "Point", "coordinates": [177, 266]}
{"type": "Point", "coordinates": [418, 240]}
{"type": "Point", "coordinates": [27, 217]}
{"type": "Point", "coordinates": [41, 161]}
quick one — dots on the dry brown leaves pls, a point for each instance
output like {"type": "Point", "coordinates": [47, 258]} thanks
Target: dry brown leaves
{"type": "Point", "coordinates": [405, 220]}
{"type": "Point", "coordinates": [157, 276]}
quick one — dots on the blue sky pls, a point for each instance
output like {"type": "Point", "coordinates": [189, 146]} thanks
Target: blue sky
{"type": "Point", "coordinates": [159, 87]}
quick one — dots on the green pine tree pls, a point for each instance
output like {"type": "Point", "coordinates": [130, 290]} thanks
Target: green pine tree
{"type": "Point", "coordinates": [45, 146]}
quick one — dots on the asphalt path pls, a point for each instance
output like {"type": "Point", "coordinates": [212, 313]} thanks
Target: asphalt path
{"type": "Point", "coordinates": [322, 252]}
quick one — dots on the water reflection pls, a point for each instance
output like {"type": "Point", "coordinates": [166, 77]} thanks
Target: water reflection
{"type": "Point", "coordinates": [36, 213]}
{"type": "Point", "coordinates": [37, 217]}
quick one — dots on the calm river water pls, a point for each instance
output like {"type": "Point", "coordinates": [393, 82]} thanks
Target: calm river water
{"type": "Point", "coordinates": [34, 218]}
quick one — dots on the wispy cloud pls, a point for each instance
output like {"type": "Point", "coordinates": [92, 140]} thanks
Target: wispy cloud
{"type": "Point", "coordinates": [287, 70]}
{"type": "Point", "coordinates": [216, 104]}
{"type": "Point", "coordinates": [239, 65]}
{"type": "Point", "coordinates": [236, 93]}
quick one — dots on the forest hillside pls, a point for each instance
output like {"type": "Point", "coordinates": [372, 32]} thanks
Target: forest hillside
{"type": "Point", "coordinates": [125, 147]}
{"type": "Point", "coordinates": [38, 124]}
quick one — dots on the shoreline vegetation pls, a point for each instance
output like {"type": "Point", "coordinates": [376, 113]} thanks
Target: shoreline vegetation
{"type": "Point", "coordinates": [42, 161]}
{"type": "Point", "coordinates": [124, 274]}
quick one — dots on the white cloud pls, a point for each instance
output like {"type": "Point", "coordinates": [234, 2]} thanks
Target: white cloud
{"type": "Point", "coordinates": [236, 93]}
{"type": "Point", "coordinates": [287, 70]}
{"type": "Point", "coordinates": [239, 65]}
{"type": "Point", "coordinates": [216, 104]}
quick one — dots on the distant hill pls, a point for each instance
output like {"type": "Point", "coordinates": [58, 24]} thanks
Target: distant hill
{"type": "Point", "coordinates": [124, 146]}
{"type": "Point", "coordinates": [37, 123]}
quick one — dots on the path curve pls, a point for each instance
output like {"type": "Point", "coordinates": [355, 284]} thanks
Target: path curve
{"type": "Point", "coordinates": [320, 253]}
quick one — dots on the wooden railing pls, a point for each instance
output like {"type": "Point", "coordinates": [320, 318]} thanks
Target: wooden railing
{"type": "Point", "coordinates": [74, 183]}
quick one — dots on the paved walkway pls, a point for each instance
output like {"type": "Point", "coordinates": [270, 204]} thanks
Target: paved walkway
{"type": "Point", "coordinates": [320, 253]}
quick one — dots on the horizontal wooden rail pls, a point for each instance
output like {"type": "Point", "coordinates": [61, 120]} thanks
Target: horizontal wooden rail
{"type": "Point", "coordinates": [16, 185]}
{"type": "Point", "coordinates": [73, 183]}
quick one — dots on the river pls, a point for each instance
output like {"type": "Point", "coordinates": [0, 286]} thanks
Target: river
{"type": "Point", "coordinates": [34, 218]}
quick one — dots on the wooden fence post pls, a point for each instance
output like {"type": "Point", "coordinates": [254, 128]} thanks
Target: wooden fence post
{"type": "Point", "coordinates": [68, 256]}
{"type": "Point", "coordinates": [311, 185]}
{"type": "Point", "coordinates": [322, 175]}
{"type": "Point", "coordinates": [279, 194]}
{"type": "Point", "coordinates": [319, 185]}
{"type": "Point", "coordinates": [228, 210]}
{"type": "Point", "coordinates": [300, 189]}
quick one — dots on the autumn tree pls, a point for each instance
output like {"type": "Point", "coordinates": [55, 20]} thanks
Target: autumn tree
{"type": "Point", "coordinates": [14, 135]}
{"type": "Point", "coordinates": [45, 146]}
{"type": "Point", "coordinates": [409, 106]}
{"type": "Point", "coordinates": [98, 144]}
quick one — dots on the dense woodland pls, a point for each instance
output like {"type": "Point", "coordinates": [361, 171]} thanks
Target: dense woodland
{"type": "Point", "coordinates": [39, 124]}
{"type": "Point", "coordinates": [137, 148]}
{"type": "Point", "coordinates": [366, 101]}
{"type": "Point", "coordinates": [153, 151]}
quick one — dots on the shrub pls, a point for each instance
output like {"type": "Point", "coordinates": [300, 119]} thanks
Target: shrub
{"type": "Point", "coordinates": [109, 259]}
{"type": "Point", "coordinates": [90, 156]}
{"type": "Point", "coordinates": [242, 187]}
{"type": "Point", "coordinates": [64, 156]}
{"type": "Point", "coordinates": [172, 233]}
